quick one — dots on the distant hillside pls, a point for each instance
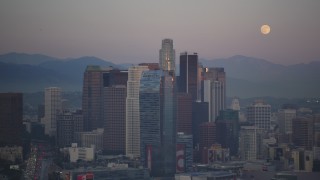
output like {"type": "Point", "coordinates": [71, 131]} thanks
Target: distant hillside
{"type": "Point", "coordinates": [22, 58]}
{"type": "Point", "coordinates": [34, 74]}
{"type": "Point", "coordinates": [251, 77]}
{"type": "Point", "coordinates": [246, 76]}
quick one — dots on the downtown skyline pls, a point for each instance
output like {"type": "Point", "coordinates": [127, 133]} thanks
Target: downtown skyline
{"type": "Point", "coordinates": [127, 32]}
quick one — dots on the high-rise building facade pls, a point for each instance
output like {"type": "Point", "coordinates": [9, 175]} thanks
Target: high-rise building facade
{"type": "Point", "coordinates": [259, 114]}
{"type": "Point", "coordinates": [228, 130]}
{"type": "Point", "coordinates": [207, 135]}
{"type": "Point", "coordinates": [68, 123]}
{"type": "Point", "coordinates": [248, 143]}
{"type": "Point", "coordinates": [188, 80]}
{"type": "Point", "coordinates": [303, 131]}
{"type": "Point", "coordinates": [133, 111]}
{"type": "Point", "coordinates": [214, 90]}
{"type": "Point", "coordinates": [157, 122]}
{"type": "Point", "coordinates": [11, 109]}
{"type": "Point", "coordinates": [92, 101]}
{"type": "Point", "coordinates": [115, 119]}
{"type": "Point", "coordinates": [184, 154]}
{"type": "Point", "coordinates": [184, 113]}
{"type": "Point", "coordinates": [200, 115]}
{"type": "Point", "coordinates": [285, 117]}
{"type": "Point", "coordinates": [52, 103]}
{"type": "Point", "coordinates": [94, 81]}
{"type": "Point", "coordinates": [167, 56]}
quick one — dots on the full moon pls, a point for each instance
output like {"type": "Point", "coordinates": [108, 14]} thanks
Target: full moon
{"type": "Point", "coordinates": [265, 29]}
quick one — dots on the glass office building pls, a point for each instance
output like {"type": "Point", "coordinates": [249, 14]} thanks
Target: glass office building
{"type": "Point", "coordinates": [157, 122]}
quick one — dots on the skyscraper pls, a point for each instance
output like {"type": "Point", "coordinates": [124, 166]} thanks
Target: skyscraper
{"type": "Point", "coordinates": [167, 56]}
{"type": "Point", "coordinates": [228, 130]}
{"type": "Point", "coordinates": [52, 103]}
{"type": "Point", "coordinates": [68, 123]}
{"type": "Point", "coordinates": [157, 122]}
{"type": "Point", "coordinates": [94, 81]}
{"type": "Point", "coordinates": [184, 113]}
{"type": "Point", "coordinates": [259, 114]}
{"type": "Point", "coordinates": [92, 101]}
{"type": "Point", "coordinates": [214, 90]}
{"type": "Point", "coordinates": [10, 118]}
{"type": "Point", "coordinates": [115, 119]}
{"type": "Point", "coordinates": [133, 111]}
{"type": "Point", "coordinates": [188, 81]}
{"type": "Point", "coordinates": [303, 131]}
{"type": "Point", "coordinates": [199, 115]}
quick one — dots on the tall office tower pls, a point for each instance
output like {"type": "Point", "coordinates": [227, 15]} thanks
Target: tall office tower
{"type": "Point", "coordinates": [184, 113]}
{"type": "Point", "coordinates": [157, 122]}
{"type": "Point", "coordinates": [92, 101]}
{"type": "Point", "coordinates": [11, 109]}
{"type": "Point", "coordinates": [95, 79]}
{"type": "Point", "coordinates": [184, 153]}
{"type": "Point", "coordinates": [285, 117]}
{"type": "Point", "coordinates": [207, 135]}
{"type": "Point", "coordinates": [228, 130]}
{"type": "Point", "coordinates": [248, 143]}
{"type": "Point", "coordinates": [133, 111]}
{"type": "Point", "coordinates": [259, 114]}
{"type": "Point", "coordinates": [214, 90]}
{"type": "Point", "coordinates": [188, 80]}
{"type": "Point", "coordinates": [302, 131]}
{"type": "Point", "coordinates": [115, 119]}
{"type": "Point", "coordinates": [67, 124]}
{"type": "Point", "coordinates": [167, 56]}
{"type": "Point", "coordinates": [52, 103]}
{"type": "Point", "coordinates": [200, 115]}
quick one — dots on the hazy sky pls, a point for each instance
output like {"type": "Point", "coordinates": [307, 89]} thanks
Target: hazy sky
{"type": "Point", "coordinates": [130, 31]}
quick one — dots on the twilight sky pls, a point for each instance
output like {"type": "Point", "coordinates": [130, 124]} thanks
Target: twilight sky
{"type": "Point", "coordinates": [130, 31]}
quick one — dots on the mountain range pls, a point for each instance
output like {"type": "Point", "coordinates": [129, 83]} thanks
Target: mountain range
{"type": "Point", "coordinates": [246, 76]}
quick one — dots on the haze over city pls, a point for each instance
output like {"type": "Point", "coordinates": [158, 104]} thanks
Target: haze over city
{"type": "Point", "coordinates": [129, 31]}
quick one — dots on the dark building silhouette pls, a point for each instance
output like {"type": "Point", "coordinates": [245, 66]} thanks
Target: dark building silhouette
{"type": "Point", "coordinates": [207, 135]}
{"type": "Point", "coordinates": [188, 80]}
{"type": "Point", "coordinates": [302, 131]}
{"type": "Point", "coordinates": [199, 115]}
{"type": "Point", "coordinates": [115, 119]}
{"type": "Point", "coordinates": [228, 130]}
{"type": "Point", "coordinates": [184, 113]}
{"type": "Point", "coordinates": [11, 109]}
{"type": "Point", "coordinates": [158, 123]}
{"type": "Point", "coordinates": [207, 138]}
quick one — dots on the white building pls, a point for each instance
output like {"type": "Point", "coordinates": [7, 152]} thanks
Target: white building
{"type": "Point", "coordinates": [248, 143]}
{"type": "Point", "coordinates": [52, 103]}
{"type": "Point", "coordinates": [285, 117]}
{"type": "Point", "coordinates": [133, 111]}
{"type": "Point", "coordinates": [259, 113]}
{"type": "Point", "coordinates": [214, 91]}
{"type": "Point", "coordinates": [82, 153]}
{"type": "Point", "coordinates": [235, 104]}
